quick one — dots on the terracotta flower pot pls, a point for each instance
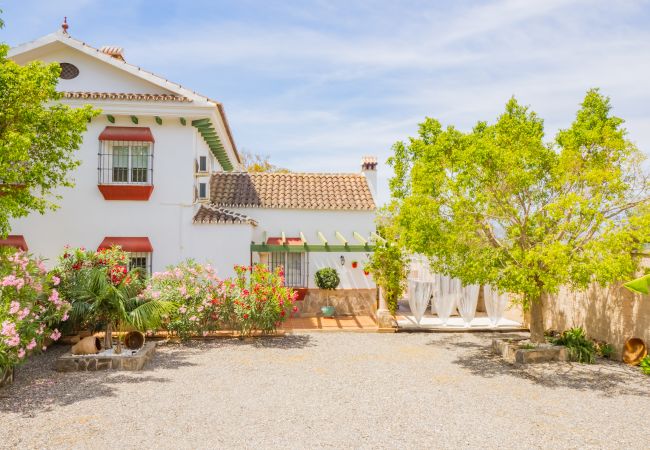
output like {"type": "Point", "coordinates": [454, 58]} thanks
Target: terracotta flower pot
{"type": "Point", "coordinates": [87, 346]}
{"type": "Point", "coordinates": [133, 340]}
{"type": "Point", "coordinates": [634, 351]}
{"type": "Point", "coordinates": [354, 264]}
{"type": "Point", "coordinates": [366, 273]}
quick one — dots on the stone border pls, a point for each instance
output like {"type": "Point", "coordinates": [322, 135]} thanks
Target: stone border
{"type": "Point", "coordinates": [75, 363]}
{"type": "Point", "coordinates": [509, 350]}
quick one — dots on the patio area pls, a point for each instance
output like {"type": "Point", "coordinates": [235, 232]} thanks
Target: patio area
{"type": "Point", "coordinates": [316, 390]}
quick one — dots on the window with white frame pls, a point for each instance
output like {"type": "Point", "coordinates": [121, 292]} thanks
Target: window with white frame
{"type": "Point", "coordinates": [123, 162]}
{"type": "Point", "coordinates": [203, 191]}
{"type": "Point", "coordinates": [140, 260]}
{"type": "Point", "coordinates": [295, 266]}
{"type": "Point", "coordinates": [203, 163]}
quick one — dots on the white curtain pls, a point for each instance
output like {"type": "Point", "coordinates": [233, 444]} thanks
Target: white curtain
{"type": "Point", "coordinates": [495, 304]}
{"type": "Point", "coordinates": [467, 302]}
{"type": "Point", "coordinates": [419, 295]}
{"type": "Point", "coordinates": [445, 296]}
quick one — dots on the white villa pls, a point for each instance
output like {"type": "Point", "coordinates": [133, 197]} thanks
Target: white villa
{"type": "Point", "coordinates": [160, 175]}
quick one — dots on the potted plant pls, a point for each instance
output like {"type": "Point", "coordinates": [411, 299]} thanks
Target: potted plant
{"type": "Point", "coordinates": [327, 278]}
{"type": "Point", "coordinates": [355, 264]}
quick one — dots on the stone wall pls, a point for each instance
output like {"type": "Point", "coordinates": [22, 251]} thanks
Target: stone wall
{"type": "Point", "coordinates": [348, 302]}
{"type": "Point", "coordinates": [610, 314]}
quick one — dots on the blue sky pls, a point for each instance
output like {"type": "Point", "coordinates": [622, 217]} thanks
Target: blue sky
{"type": "Point", "coordinates": [318, 84]}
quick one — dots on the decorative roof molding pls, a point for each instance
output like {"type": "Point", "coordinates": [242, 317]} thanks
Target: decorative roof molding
{"type": "Point", "coordinates": [125, 96]}
{"type": "Point", "coordinates": [210, 214]}
{"type": "Point", "coordinates": [316, 191]}
{"type": "Point", "coordinates": [192, 96]}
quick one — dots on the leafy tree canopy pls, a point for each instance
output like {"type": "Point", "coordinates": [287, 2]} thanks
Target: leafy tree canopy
{"type": "Point", "coordinates": [259, 163]}
{"type": "Point", "coordinates": [499, 206]}
{"type": "Point", "coordinates": [38, 138]}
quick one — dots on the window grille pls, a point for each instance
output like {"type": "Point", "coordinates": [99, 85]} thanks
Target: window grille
{"type": "Point", "coordinates": [124, 162]}
{"type": "Point", "coordinates": [140, 260]}
{"type": "Point", "coordinates": [295, 265]}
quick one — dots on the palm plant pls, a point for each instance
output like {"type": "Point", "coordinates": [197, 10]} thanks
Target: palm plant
{"type": "Point", "coordinates": [99, 297]}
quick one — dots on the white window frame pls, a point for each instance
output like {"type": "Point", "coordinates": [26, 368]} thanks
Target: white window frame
{"type": "Point", "coordinates": [109, 147]}
{"type": "Point", "coordinates": [207, 164]}
{"type": "Point", "coordinates": [207, 191]}
{"type": "Point", "coordinates": [147, 255]}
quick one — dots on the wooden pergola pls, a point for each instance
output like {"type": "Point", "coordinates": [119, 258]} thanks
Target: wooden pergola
{"type": "Point", "coordinates": [358, 243]}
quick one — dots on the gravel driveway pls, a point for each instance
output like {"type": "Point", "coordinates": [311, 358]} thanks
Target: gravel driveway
{"type": "Point", "coordinates": [360, 390]}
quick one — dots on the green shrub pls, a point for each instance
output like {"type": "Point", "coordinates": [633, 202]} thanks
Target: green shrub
{"type": "Point", "coordinates": [30, 307]}
{"type": "Point", "coordinates": [604, 349]}
{"type": "Point", "coordinates": [579, 347]}
{"type": "Point", "coordinates": [327, 278]}
{"type": "Point", "coordinates": [645, 365]}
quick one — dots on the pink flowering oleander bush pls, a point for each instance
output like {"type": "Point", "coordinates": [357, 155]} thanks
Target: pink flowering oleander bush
{"type": "Point", "coordinates": [254, 300]}
{"type": "Point", "coordinates": [261, 301]}
{"type": "Point", "coordinates": [192, 288]}
{"type": "Point", "coordinates": [30, 305]}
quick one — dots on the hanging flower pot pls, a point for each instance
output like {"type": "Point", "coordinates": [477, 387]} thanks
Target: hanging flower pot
{"type": "Point", "coordinates": [354, 264]}
{"type": "Point", "coordinates": [366, 273]}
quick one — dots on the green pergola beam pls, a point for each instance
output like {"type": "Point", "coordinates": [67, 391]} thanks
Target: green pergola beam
{"type": "Point", "coordinates": [265, 248]}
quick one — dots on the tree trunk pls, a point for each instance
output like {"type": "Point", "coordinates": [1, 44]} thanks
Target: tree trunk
{"type": "Point", "coordinates": [537, 320]}
{"type": "Point", "coordinates": [108, 337]}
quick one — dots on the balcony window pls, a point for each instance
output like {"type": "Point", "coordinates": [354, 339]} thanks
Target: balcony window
{"type": "Point", "coordinates": [125, 170]}
{"type": "Point", "coordinates": [126, 163]}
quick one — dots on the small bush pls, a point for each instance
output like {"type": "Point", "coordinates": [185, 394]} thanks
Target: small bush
{"type": "Point", "coordinates": [30, 307]}
{"type": "Point", "coordinates": [579, 347]}
{"type": "Point", "coordinates": [604, 349]}
{"type": "Point", "coordinates": [645, 365]}
{"type": "Point", "coordinates": [327, 278]}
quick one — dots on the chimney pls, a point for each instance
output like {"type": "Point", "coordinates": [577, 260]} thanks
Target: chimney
{"type": "Point", "coordinates": [369, 170]}
{"type": "Point", "coordinates": [115, 52]}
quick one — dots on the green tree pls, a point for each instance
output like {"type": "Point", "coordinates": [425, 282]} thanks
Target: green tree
{"type": "Point", "coordinates": [389, 266]}
{"type": "Point", "coordinates": [499, 206]}
{"type": "Point", "coordinates": [38, 138]}
{"type": "Point", "coordinates": [256, 163]}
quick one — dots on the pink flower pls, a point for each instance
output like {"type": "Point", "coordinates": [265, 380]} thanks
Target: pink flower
{"type": "Point", "coordinates": [182, 310]}
{"type": "Point", "coordinates": [56, 334]}
{"type": "Point", "coordinates": [13, 341]}
{"type": "Point", "coordinates": [295, 309]}
{"type": "Point", "coordinates": [56, 280]}
{"type": "Point", "coordinates": [31, 345]}
{"type": "Point", "coordinates": [21, 353]}
{"type": "Point", "coordinates": [14, 307]}
{"type": "Point", "coordinates": [65, 317]}
{"type": "Point", "coordinates": [24, 313]}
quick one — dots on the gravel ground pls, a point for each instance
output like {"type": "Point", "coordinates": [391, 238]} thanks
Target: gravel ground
{"type": "Point", "coordinates": [328, 390]}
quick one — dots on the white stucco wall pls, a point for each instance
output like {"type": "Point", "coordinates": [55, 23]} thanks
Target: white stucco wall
{"type": "Point", "coordinates": [94, 75]}
{"type": "Point", "coordinates": [85, 218]}
{"type": "Point", "coordinates": [293, 221]}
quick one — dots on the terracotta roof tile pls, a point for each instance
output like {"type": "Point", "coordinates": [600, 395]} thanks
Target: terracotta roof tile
{"type": "Point", "coordinates": [125, 96]}
{"type": "Point", "coordinates": [212, 214]}
{"type": "Point", "coordinates": [328, 191]}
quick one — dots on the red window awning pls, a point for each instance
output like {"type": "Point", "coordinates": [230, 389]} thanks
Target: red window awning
{"type": "Point", "coordinates": [140, 134]}
{"type": "Point", "coordinates": [128, 244]}
{"type": "Point", "coordinates": [17, 241]}
{"type": "Point", "coordinates": [288, 241]}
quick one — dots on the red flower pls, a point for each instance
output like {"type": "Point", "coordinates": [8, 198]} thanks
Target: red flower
{"type": "Point", "coordinates": [245, 316]}
{"type": "Point", "coordinates": [282, 313]}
